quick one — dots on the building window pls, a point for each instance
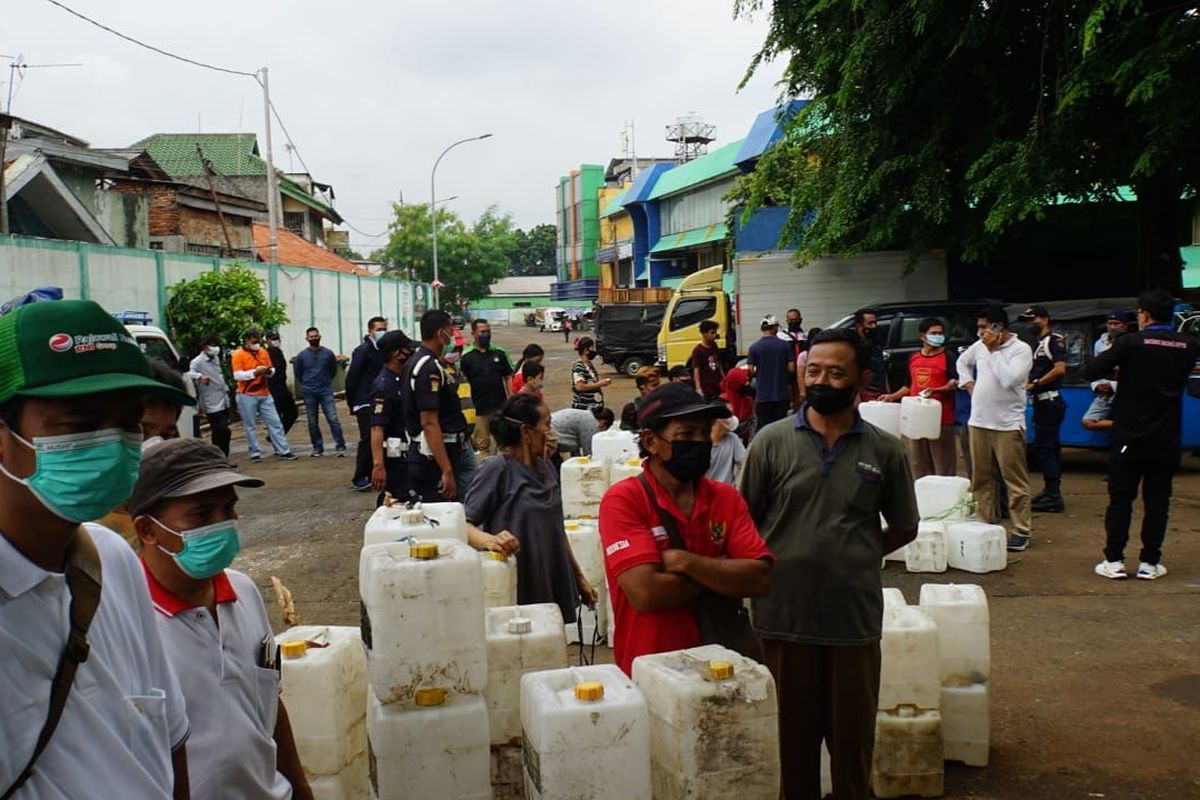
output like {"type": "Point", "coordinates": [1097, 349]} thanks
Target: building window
{"type": "Point", "coordinates": [522, 304]}
{"type": "Point", "coordinates": [294, 222]}
{"type": "Point", "coordinates": [203, 249]}
{"type": "Point", "coordinates": [156, 245]}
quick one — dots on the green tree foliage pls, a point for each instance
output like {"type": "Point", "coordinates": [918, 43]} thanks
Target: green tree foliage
{"type": "Point", "coordinates": [936, 123]}
{"type": "Point", "coordinates": [533, 253]}
{"type": "Point", "coordinates": [470, 257]}
{"type": "Point", "coordinates": [224, 304]}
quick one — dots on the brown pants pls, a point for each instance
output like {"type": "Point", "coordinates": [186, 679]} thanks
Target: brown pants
{"type": "Point", "coordinates": [933, 456]}
{"type": "Point", "coordinates": [482, 438]}
{"type": "Point", "coordinates": [830, 694]}
{"type": "Point", "coordinates": [1004, 449]}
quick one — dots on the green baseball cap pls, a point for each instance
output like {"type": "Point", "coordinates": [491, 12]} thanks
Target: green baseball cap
{"type": "Point", "coordinates": [69, 348]}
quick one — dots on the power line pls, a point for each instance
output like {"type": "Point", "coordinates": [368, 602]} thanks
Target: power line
{"type": "Point", "coordinates": [149, 47]}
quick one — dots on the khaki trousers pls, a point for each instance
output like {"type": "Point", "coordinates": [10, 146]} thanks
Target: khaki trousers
{"type": "Point", "coordinates": [1005, 449]}
{"type": "Point", "coordinates": [830, 694]}
{"type": "Point", "coordinates": [482, 438]}
{"type": "Point", "coordinates": [933, 456]}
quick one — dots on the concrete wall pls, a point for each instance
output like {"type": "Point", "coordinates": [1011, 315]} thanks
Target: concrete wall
{"type": "Point", "coordinates": [123, 279]}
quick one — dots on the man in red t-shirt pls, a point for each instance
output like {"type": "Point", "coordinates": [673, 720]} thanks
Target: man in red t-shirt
{"type": "Point", "coordinates": [652, 583]}
{"type": "Point", "coordinates": [707, 371]}
{"type": "Point", "coordinates": [932, 372]}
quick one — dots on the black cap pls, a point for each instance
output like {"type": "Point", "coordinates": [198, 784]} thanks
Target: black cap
{"type": "Point", "coordinates": [181, 468]}
{"type": "Point", "coordinates": [1122, 315]}
{"type": "Point", "coordinates": [672, 400]}
{"type": "Point", "coordinates": [1035, 311]}
{"type": "Point", "coordinates": [392, 341]}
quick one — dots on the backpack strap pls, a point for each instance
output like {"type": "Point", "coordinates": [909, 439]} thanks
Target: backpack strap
{"type": "Point", "coordinates": [668, 522]}
{"type": "Point", "coordinates": [83, 583]}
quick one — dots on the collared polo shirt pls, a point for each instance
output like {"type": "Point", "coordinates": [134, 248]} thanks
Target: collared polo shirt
{"type": "Point", "coordinates": [232, 701]}
{"type": "Point", "coordinates": [632, 534]}
{"type": "Point", "coordinates": [125, 713]}
{"type": "Point", "coordinates": [818, 510]}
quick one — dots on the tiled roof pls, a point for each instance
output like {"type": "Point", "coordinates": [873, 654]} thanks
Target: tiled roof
{"type": "Point", "coordinates": [230, 153]}
{"type": "Point", "coordinates": [296, 251]}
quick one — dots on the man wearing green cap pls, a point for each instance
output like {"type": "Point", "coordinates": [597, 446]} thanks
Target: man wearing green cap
{"type": "Point", "coordinates": [214, 626]}
{"type": "Point", "coordinates": [89, 698]}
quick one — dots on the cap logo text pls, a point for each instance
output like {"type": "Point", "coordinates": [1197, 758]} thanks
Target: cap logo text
{"type": "Point", "coordinates": [61, 342]}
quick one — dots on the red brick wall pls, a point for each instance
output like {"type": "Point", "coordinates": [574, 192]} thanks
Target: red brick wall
{"type": "Point", "coordinates": [203, 227]}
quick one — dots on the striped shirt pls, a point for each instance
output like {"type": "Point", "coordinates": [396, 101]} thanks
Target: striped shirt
{"type": "Point", "coordinates": [584, 372]}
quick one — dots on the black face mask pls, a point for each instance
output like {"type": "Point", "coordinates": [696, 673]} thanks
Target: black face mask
{"type": "Point", "coordinates": [314, 343]}
{"type": "Point", "coordinates": [689, 460]}
{"type": "Point", "coordinates": [826, 399]}
{"type": "Point", "coordinates": [794, 327]}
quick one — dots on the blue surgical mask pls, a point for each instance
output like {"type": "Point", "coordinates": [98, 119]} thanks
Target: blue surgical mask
{"type": "Point", "coordinates": [935, 341]}
{"type": "Point", "coordinates": [377, 335]}
{"type": "Point", "coordinates": [82, 476]}
{"type": "Point", "coordinates": [208, 550]}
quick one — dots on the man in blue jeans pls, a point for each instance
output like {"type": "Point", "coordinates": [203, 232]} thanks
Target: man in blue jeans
{"type": "Point", "coordinates": [315, 368]}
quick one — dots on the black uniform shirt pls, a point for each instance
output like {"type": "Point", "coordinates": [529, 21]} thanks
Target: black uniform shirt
{"type": "Point", "coordinates": [427, 386]}
{"type": "Point", "coordinates": [387, 411]}
{"type": "Point", "coordinates": [1155, 364]}
{"type": "Point", "coordinates": [1050, 349]}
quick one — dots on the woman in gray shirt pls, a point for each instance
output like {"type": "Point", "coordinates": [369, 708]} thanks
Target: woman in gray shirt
{"type": "Point", "coordinates": [514, 504]}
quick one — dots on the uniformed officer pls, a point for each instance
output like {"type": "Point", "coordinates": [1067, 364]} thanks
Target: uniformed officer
{"type": "Point", "coordinates": [441, 459]}
{"type": "Point", "coordinates": [1049, 408]}
{"type": "Point", "coordinates": [389, 440]}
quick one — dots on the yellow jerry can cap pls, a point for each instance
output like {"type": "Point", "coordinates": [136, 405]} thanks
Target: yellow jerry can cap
{"type": "Point", "coordinates": [294, 649]}
{"type": "Point", "coordinates": [572, 526]}
{"type": "Point", "coordinates": [720, 670]}
{"type": "Point", "coordinates": [423, 551]}
{"type": "Point", "coordinates": [429, 697]}
{"type": "Point", "coordinates": [584, 459]}
{"type": "Point", "coordinates": [589, 691]}
{"type": "Point", "coordinates": [585, 516]}
{"type": "Point", "coordinates": [496, 555]}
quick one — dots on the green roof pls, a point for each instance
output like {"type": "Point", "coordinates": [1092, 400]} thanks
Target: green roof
{"type": "Point", "coordinates": [229, 153]}
{"type": "Point", "coordinates": [701, 170]}
{"type": "Point", "coordinates": [675, 241]}
{"type": "Point", "coordinates": [616, 205]}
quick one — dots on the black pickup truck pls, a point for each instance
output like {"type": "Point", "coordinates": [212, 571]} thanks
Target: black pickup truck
{"type": "Point", "coordinates": [627, 334]}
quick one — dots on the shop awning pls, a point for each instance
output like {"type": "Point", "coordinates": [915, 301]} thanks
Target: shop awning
{"type": "Point", "coordinates": [692, 238]}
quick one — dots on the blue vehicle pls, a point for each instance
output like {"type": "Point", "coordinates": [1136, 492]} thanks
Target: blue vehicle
{"type": "Point", "coordinates": [1082, 323]}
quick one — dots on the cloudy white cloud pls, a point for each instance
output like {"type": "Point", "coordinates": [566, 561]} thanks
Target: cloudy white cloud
{"type": "Point", "coordinates": [371, 91]}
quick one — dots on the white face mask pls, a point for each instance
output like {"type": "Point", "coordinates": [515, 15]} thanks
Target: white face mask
{"type": "Point", "coordinates": [253, 348]}
{"type": "Point", "coordinates": [213, 352]}
{"type": "Point", "coordinates": [151, 442]}
{"type": "Point", "coordinates": [731, 423]}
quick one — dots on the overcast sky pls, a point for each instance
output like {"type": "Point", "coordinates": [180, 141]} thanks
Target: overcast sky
{"type": "Point", "coordinates": [372, 90]}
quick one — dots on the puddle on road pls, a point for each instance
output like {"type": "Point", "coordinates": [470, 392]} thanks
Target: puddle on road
{"type": "Point", "coordinates": [1183, 689]}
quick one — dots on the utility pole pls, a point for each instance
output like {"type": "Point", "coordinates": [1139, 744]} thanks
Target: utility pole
{"type": "Point", "coordinates": [212, 192]}
{"type": "Point", "coordinates": [272, 188]}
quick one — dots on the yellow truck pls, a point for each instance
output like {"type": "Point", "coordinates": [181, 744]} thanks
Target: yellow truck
{"type": "Point", "coordinates": [700, 296]}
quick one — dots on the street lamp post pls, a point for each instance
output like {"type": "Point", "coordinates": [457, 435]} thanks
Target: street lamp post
{"type": "Point", "coordinates": [433, 211]}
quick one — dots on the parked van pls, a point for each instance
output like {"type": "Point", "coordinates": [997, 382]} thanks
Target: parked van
{"type": "Point", "coordinates": [627, 334]}
{"type": "Point", "coordinates": [155, 344]}
{"type": "Point", "coordinates": [699, 297]}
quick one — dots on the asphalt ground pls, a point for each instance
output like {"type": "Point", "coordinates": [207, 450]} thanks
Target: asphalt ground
{"type": "Point", "coordinates": [1095, 688]}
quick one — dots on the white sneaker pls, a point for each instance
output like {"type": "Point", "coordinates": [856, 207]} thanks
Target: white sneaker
{"type": "Point", "coordinates": [1149, 572]}
{"type": "Point", "coordinates": [1111, 569]}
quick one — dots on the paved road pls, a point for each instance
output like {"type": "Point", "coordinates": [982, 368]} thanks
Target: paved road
{"type": "Point", "coordinates": [1095, 684]}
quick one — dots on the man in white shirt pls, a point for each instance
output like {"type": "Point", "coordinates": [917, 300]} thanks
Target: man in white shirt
{"type": "Point", "coordinates": [71, 395]}
{"type": "Point", "coordinates": [213, 625]}
{"type": "Point", "coordinates": [1000, 363]}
